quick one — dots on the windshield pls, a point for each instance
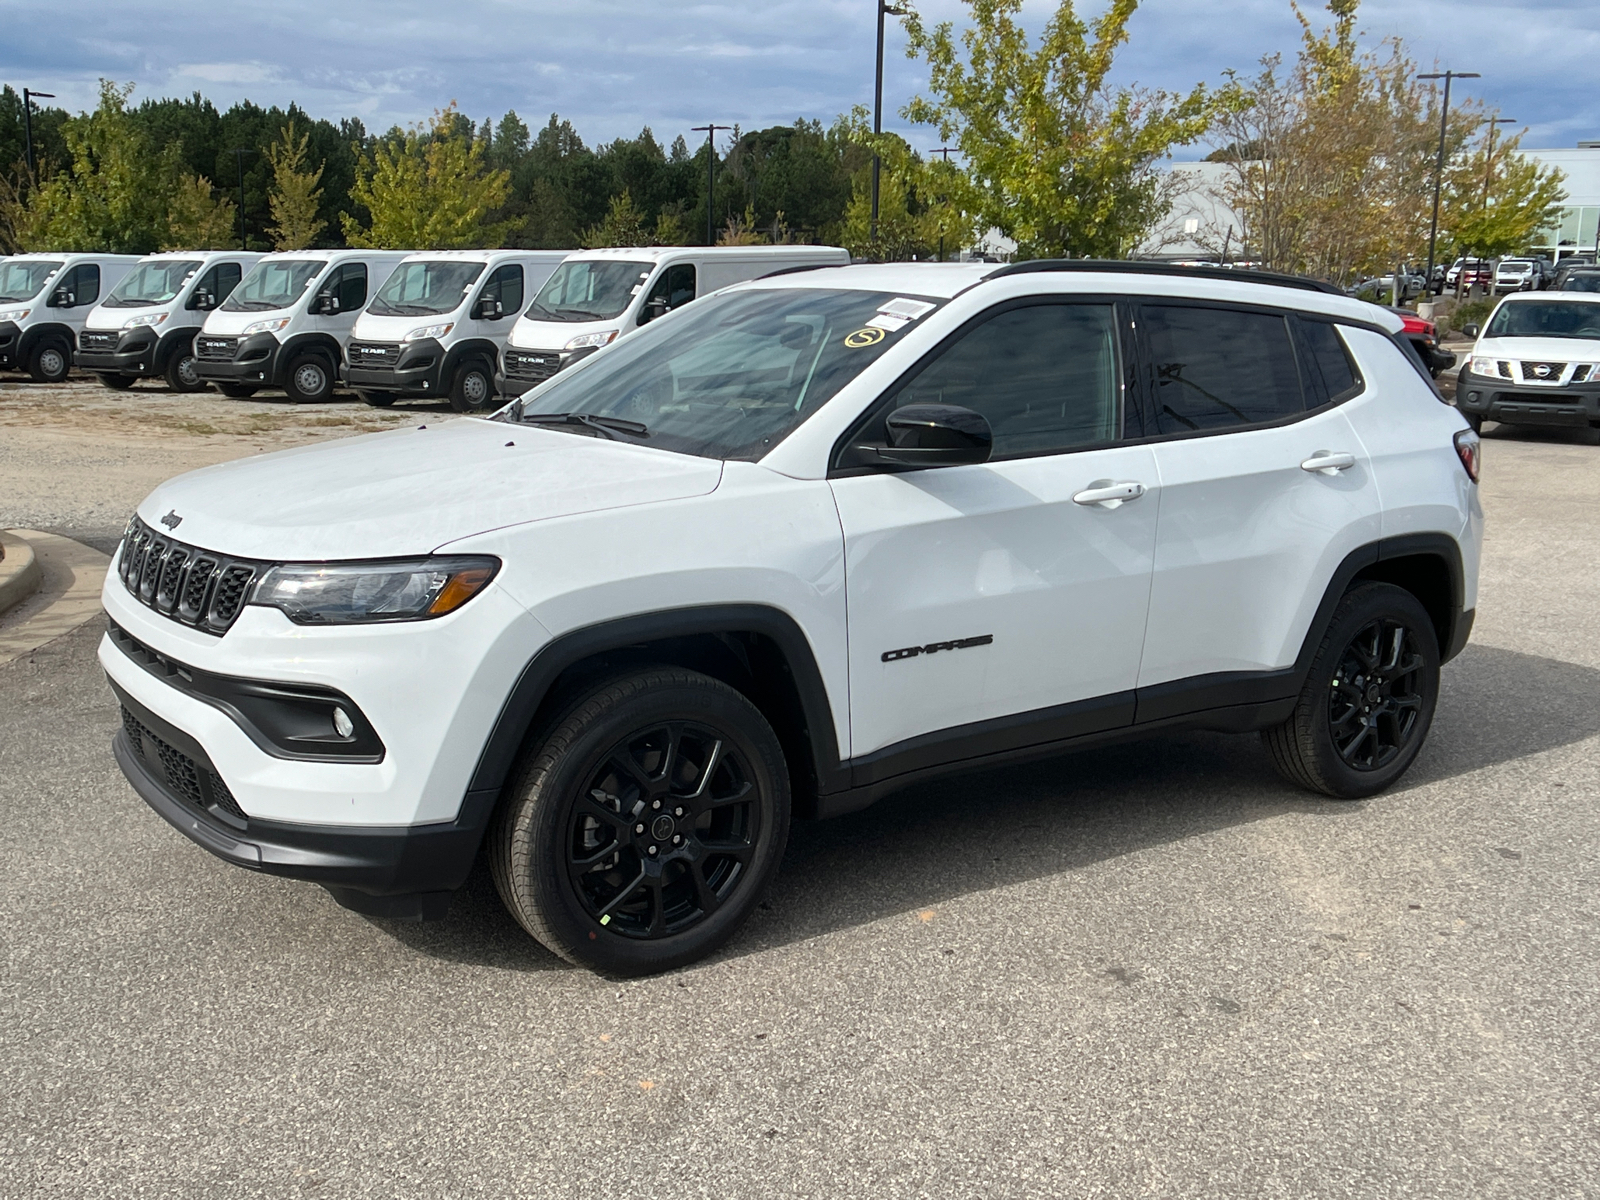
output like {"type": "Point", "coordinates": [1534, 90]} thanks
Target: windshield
{"type": "Point", "coordinates": [22, 280]}
{"type": "Point", "coordinates": [732, 375]}
{"type": "Point", "coordinates": [419, 289]}
{"type": "Point", "coordinates": [275, 284]}
{"type": "Point", "coordinates": [152, 283]}
{"type": "Point", "coordinates": [589, 291]}
{"type": "Point", "coordinates": [1546, 318]}
{"type": "Point", "coordinates": [1582, 281]}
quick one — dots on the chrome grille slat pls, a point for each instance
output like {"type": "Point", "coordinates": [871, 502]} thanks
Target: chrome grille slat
{"type": "Point", "coordinates": [194, 587]}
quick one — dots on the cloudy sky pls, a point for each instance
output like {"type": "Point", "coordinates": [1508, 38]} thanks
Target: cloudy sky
{"type": "Point", "coordinates": [612, 66]}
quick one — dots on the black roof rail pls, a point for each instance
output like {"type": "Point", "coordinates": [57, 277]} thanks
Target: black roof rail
{"type": "Point", "coordinates": [1174, 270]}
{"type": "Point", "coordinates": [794, 270]}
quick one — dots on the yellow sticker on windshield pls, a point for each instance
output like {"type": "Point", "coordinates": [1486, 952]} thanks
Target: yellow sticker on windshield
{"type": "Point", "coordinates": [863, 337]}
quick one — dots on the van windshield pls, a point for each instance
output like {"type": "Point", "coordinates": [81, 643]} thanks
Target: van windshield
{"type": "Point", "coordinates": [152, 283]}
{"type": "Point", "coordinates": [419, 289]}
{"type": "Point", "coordinates": [589, 291]}
{"type": "Point", "coordinates": [729, 376]}
{"type": "Point", "coordinates": [276, 284]}
{"type": "Point", "coordinates": [22, 280]}
{"type": "Point", "coordinates": [1546, 318]}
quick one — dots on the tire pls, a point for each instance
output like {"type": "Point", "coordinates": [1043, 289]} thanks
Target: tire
{"type": "Point", "coordinates": [1474, 420]}
{"type": "Point", "coordinates": [49, 362]}
{"type": "Point", "coordinates": [1334, 742]}
{"type": "Point", "coordinates": [472, 390]}
{"type": "Point", "coordinates": [181, 374]}
{"type": "Point", "coordinates": [596, 782]}
{"type": "Point", "coordinates": [309, 379]}
{"type": "Point", "coordinates": [376, 399]}
{"type": "Point", "coordinates": [237, 391]}
{"type": "Point", "coordinates": [117, 382]}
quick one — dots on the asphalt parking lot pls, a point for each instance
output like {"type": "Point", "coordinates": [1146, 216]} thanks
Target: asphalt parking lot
{"type": "Point", "coordinates": [1151, 970]}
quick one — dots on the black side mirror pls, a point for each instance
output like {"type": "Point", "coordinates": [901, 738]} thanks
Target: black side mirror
{"type": "Point", "coordinates": [202, 300]}
{"type": "Point", "coordinates": [936, 435]}
{"type": "Point", "coordinates": [656, 306]}
{"type": "Point", "coordinates": [61, 298]}
{"type": "Point", "coordinates": [489, 309]}
{"type": "Point", "coordinates": [327, 304]}
{"type": "Point", "coordinates": [1470, 330]}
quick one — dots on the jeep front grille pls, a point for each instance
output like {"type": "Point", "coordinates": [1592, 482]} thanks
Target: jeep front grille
{"type": "Point", "coordinates": [195, 587]}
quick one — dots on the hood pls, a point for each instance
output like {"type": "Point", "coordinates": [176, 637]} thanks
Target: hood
{"type": "Point", "coordinates": [409, 491]}
{"type": "Point", "coordinates": [1539, 349]}
{"type": "Point", "coordinates": [372, 328]}
{"type": "Point", "coordinates": [101, 318]}
{"type": "Point", "coordinates": [528, 334]}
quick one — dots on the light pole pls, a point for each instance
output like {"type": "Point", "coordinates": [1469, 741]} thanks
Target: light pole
{"type": "Point", "coordinates": [1438, 170]}
{"type": "Point", "coordinates": [1488, 171]}
{"type": "Point", "coordinates": [238, 157]}
{"type": "Point", "coordinates": [945, 152]}
{"type": "Point", "coordinates": [711, 172]}
{"type": "Point", "coordinates": [27, 120]}
{"type": "Point", "coordinates": [884, 10]}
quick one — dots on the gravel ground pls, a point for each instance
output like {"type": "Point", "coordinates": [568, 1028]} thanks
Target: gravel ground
{"type": "Point", "coordinates": [1150, 970]}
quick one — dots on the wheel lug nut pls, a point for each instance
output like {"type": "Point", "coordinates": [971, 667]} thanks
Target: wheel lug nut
{"type": "Point", "coordinates": [677, 839]}
{"type": "Point", "coordinates": [655, 804]}
{"type": "Point", "coordinates": [638, 828]}
{"type": "Point", "coordinates": [677, 812]}
{"type": "Point", "coordinates": [651, 852]}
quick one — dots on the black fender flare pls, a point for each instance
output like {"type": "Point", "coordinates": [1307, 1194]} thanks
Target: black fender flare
{"type": "Point", "coordinates": [46, 331]}
{"type": "Point", "coordinates": [321, 343]}
{"type": "Point", "coordinates": [479, 348]}
{"type": "Point", "coordinates": [171, 342]}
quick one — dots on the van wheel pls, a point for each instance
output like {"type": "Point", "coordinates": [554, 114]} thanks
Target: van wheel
{"type": "Point", "coordinates": [181, 373]}
{"type": "Point", "coordinates": [1369, 698]}
{"type": "Point", "coordinates": [117, 382]}
{"type": "Point", "coordinates": [376, 399]}
{"type": "Point", "coordinates": [49, 362]}
{"type": "Point", "coordinates": [310, 379]}
{"type": "Point", "coordinates": [236, 391]}
{"type": "Point", "coordinates": [473, 389]}
{"type": "Point", "coordinates": [641, 831]}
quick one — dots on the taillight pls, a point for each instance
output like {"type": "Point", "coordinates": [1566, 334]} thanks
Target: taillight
{"type": "Point", "coordinates": [1470, 451]}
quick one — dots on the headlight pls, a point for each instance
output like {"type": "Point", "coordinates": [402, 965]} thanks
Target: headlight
{"type": "Point", "coordinates": [363, 592]}
{"type": "Point", "coordinates": [15, 314]}
{"type": "Point", "coordinates": [144, 319]}
{"type": "Point", "coordinates": [272, 326]}
{"type": "Point", "coordinates": [1482, 366]}
{"type": "Point", "coordinates": [591, 339]}
{"type": "Point", "coordinates": [429, 331]}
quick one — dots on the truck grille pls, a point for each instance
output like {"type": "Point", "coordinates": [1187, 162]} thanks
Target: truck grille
{"type": "Point", "coordinates": [374, 354]}
{"type": "Point", "coordinates": [98, 341]}
{"type": "Point", "coordinates": [195, 587]}
{"type": "Point", "coordinates": [190, 780]}
{"type": "Point", "coordinates": [531, 366]}
{"type": "Point", "coordinates": [1543, 372]}
{"type": "Point", "coordinates": [216, 349]}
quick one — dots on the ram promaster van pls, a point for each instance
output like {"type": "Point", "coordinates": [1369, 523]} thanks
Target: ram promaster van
{"type": "Point", "coordinates": [44, 299]}
{"type": "Point", "coordinates": [437, 327]}
{"type": "Point", "coordinates": [146, 326]}
{"type": "Point", "coordinates": [286, 324]}
{"type": "Point", "coordinates": [597, 296]}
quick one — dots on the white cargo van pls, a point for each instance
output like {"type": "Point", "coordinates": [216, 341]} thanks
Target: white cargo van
{"type": "Point", "coordinates": [437, 327]}
{"type": "Point", "coordinates": [287, 322]}
{"type": "Point", "coordinates": [596, 296]}
{"type": "Point", "coordinates": [44, 299]}
{"type": "Point", "coordinates": [146, 326]}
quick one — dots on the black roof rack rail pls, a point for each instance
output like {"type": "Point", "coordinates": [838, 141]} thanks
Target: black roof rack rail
{"type": "Point", "coordinates": [793, 270]}
{"type": "Point", "coordinates": [1132, 267]}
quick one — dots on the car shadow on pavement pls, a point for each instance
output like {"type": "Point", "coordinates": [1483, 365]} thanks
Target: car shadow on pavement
{"type": "Point", "coordinates": [937, 841]}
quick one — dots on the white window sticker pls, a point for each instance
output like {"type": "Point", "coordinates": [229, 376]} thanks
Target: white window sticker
{"type": "Point", "coordinates": [904, 306]}
{"type": "Point", "coordinates": [890, 323]}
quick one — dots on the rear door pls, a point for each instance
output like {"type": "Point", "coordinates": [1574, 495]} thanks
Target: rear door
{"type": "Point", "coordinates": [1265, 488]}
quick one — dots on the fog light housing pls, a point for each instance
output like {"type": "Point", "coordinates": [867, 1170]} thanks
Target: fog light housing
{"type": "Point", "coordinates": [342, 724]}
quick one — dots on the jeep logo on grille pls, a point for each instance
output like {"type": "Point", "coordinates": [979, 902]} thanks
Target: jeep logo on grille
{"type": "Point", "coordinates": [172, 520]}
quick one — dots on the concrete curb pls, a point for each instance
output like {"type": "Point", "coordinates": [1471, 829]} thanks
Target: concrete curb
{"type": "Point", "coordinates": [19, 571]}
{"type": "Point", "coordinates": [67, 595]}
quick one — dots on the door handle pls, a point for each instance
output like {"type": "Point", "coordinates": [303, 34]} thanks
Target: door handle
{"type": "Point", "coordinates": [1107, 494]}
{"type": "Point", "coordinates": [1329, 462]}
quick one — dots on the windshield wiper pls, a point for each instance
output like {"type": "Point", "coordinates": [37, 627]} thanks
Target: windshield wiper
{"type": "Point", "coordinates": [609, 426]}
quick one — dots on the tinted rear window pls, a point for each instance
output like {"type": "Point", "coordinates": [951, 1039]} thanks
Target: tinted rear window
{"type": "Point", "coordinates": [1217, 367]}
{"type": "Point", "coordinates": [1329, 357]}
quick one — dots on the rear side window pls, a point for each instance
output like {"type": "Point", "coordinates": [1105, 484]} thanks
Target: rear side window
{"type": "Point", "coordinates": [1216, 368]}
{"type": "Point", "coordinates": [1329, 358]}
{"type": "Point", "coordinates": [1045, 376]}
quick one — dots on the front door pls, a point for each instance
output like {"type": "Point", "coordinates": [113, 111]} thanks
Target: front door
{"type": "Point", "coordinates": [1003, 604]}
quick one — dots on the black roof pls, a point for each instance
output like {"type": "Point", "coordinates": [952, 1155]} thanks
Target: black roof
{"type": "Point", "coordinates": [1171, 270]}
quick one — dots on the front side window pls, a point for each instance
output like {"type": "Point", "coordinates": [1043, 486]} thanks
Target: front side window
{"type": "Point", "coordinates": [152, 283]}
{"type": "Point", "coordinates": [420, 289]}
{"type": "Point", "coordinates": [1546, 318]}
{"type": "Point", "coordinates": [1216, 368]}
{"type": "Point", "coordinates": [276, 284]}
{"type": "Point", "coordinates": [505, 285]}
{"type": "Point", "coordinates": [23, 280]}
{"type": "Point", "coordinates": [732, 375]}
{"type": "Point", "coordinates": [589, 290]}
{"type": "Point", "coordinates": [672, 288]}
{"type": "Point", "coordinates": [352, 287]}
{"type": "Point", "coordinates": [216, 284]}
{"type": "Point", "coordinates": [1045, 376]}
{"type": "Point", "coordinates": [82, 284]}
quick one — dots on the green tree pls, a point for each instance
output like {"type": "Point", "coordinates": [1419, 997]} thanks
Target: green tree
{"type": "Point", "coordinates": [1497, 200]}
{"type": "Point", "coordinates": [919, 202]}
{"type": "Point", "coordinates": [624, 226]}
{"type": "Point", "coordinates": [1057, 158]}
{"type": "Point", "coordinates": [428, 189]}
{"type": "Point", "coordinates": [196, 218]}
{"type": "Point", "coordinates": [295, 195]}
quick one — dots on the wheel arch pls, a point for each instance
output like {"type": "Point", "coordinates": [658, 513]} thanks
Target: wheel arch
{"type": "Point", "coordinates": [468, 349]}
{"type": "Point", "coordinates": [321, 343]}
{"type": "Point", "coordinates": [172, 342]}
{"type": "Point", "coordinates": [46, 331]}
{"type": "Point", "coordinates": [758, 650]}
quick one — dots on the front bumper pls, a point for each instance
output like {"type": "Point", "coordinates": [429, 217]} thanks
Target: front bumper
{"type": "Point", "coordinates": [1495, 399]}
{"type": "Point", "coordinates": [10, 346]}
{"type": "Point", "coordinates": [521, 369]}
{"type": "Point", "coordinates": [408, 368]}
{"type": "Point", "coordinates": [132, 352]}
{"type": "Point", "coordinates": [256, 361]}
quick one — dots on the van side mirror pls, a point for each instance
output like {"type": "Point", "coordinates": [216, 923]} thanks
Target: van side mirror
{"type": "Point", "coordinates": [656, 306]}
{"type": "Point", "coordinates": [489, 309]}
{"type": "Point", "coordinates": [327, 304]}
{"type": "Point", "coordinates": [1470, 330]}
{"type": "Point", "coordinates": [62, 298]}
{"type": "Point", "coordinates": [936, 435]}
{"type": "Point", "coordinates": [202, 300]}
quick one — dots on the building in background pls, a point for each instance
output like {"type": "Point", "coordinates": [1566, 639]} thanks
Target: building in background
{"type": "Point", "coordinates": [1580, 216]}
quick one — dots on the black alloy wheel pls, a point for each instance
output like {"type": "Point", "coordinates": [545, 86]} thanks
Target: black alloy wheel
{"type": "Point", "coordinates": [473, 389]}
{"type": "Point", "coordinates": [642, 831]}
{"type": "Point", "coordinates": [1368, 699]}
{"type": "Point", "coordinates": [237, 391]}
{"type": "Point", "coordinates": [49, 362]}
{"type": "Point", "coordinates": [116, 382]}
{"type": "Point", "coordinates": [181, 373]}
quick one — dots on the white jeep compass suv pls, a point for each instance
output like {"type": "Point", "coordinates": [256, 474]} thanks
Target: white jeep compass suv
{"type": "Point", "coordinates": [784, 550]}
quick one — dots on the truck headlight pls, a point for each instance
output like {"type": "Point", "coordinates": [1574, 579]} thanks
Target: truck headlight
{"type": "Point", "coordinates": [361, 593]}
{"type": "Point", "coordinates": [269, 326]}
{"type": "Point", "coordinates": [144, 319]}
{"type": "Point", "coordinates": [15, 314]}
{"type": "Point", "coordinates": [428, 331]}
{"type": "Point", "coordinates": [1482, 366]}
{"type": "Point", "coordinates": [584, 340]}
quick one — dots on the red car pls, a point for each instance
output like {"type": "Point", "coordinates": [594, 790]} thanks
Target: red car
{"type": "Point", "coordinates": [1424, 335]}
